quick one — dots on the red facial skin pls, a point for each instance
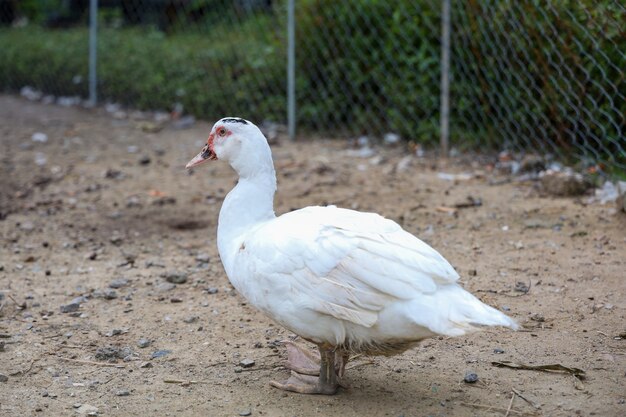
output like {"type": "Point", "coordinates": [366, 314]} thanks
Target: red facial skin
{"type": "Point", "coordinates": [211, 138]}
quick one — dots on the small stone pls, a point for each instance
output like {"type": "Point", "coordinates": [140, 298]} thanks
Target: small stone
{"type": "Point", "coordinates": [69, 308]}
{"type": "Point", "coordinates": [498, 351]}
{"type": "Point", "coordinates": [176, 300]}
{"type": "Point", "coordinates": [145, 365]}
{"type": "Point", "coordinates": [112, 174]}
{"type": "Point", "coordinates": [203, 257]}
{"type": "Point", "coordinates": [175, 277]}
{"type": "Point", "coordinates": [246, 363]}
{"type": "Point", "coordinates": [144, 160]}
{"type": "Point", "coordinates": [212, 290]}
{"type": "Point", "coordinates": [506, 308]}
{"type": "Point", "coordinates": [191, 319]}
{"type": "Point", "coordinates": [27, 226]}
{"type": "Point", "coordinates": [521, 287]}
{"type": "Point", "coordinates": [91, 256]}
{"type": "Point", "coordinates": [87, 409]}
{"type": "Point", "coordinates": [39, 137]}
{"type": "Point", "coordinates": [165, 286]}
{"type": "Point", "coordinates": [77, 405]}
{"type": "Point", "coordinates": [4, 378]}
{"type": "Point", "coordinates": [160, 353]}
{"type": "Point", "coordinates": [245, 413]}
{"type": "Point", "coordinates": [114, 332]}
{"type": "Point", "coordinates": [109, 353]}
{"type": "Point", "coordinates": [144, 343]}
{"type": "Point", "coordinates": [122, 393]}
{"type": "Point", "coordinates": [538, 317]}
{"type": "Point", "coordinates": [565, 184]}
{"type": "Point", "coordinates": [109, 294]}
{"type": "Point", "coordinates": [470, 377]}
{"type": "Point", "coordinates": [118, 283]}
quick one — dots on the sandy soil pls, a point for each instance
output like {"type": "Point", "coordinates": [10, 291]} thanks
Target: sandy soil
{"type": "Point", "coordinates": [98, 213]}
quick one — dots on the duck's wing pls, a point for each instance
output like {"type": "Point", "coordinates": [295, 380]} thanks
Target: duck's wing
{"type": "Point", "coordinates": [343, 263]}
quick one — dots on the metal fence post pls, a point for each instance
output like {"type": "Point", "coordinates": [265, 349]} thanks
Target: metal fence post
{"type": "Point", "coordinates": [291, 69]}
{"type": "Point", "coordinates": [445, 77]}
{"type": "Point", "coordinates": [93, 43]}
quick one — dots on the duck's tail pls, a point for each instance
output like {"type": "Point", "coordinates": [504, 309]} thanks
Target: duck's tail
{"type": "Point", "coordinates": [452, 311]}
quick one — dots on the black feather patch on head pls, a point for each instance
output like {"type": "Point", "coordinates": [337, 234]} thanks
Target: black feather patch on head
{"type": "Point", "coordinates": [235, 120]}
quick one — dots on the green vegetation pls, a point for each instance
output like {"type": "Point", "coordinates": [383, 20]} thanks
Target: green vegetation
{"type": "Point", "coordinates": [237, 71]}
{"type": "Point", "coordinates": [520, 77]}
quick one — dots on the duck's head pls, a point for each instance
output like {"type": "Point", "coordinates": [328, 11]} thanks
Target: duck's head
{"type": "Point", "coordinates": [237, 141]}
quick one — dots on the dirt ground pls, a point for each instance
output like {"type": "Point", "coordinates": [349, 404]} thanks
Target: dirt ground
{"type": "Point", "coordinates": [106, 201]}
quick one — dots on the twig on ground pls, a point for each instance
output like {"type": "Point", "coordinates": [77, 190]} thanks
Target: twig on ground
{"type": "Point", "coordinates": [491, 407]}
{"type": "Point", "coordinates": [519, 394]}
{"type": "Point", "coordinates": [508, 410]}
{"type": "Point", "coordinates": [24, 372]}
{"type": "Point", "coordinates": [557, 367]}
{"type": "Point", "coordinates": [108, 365]}
{"type": "Point", "coordinates": [21, 306]}
{"type": "Point", "coordinates": [184, 382]}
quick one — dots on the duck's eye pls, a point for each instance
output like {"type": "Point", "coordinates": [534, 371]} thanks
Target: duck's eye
{"type": "Point", "coordinates": [221, 132]}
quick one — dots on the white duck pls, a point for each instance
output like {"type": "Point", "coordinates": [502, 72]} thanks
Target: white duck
{"type": "Point", "coordinates": [350, 282]}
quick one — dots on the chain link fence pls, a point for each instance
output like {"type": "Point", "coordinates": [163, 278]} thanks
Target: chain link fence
{"type": "Point", "coordinates": [525, 76]}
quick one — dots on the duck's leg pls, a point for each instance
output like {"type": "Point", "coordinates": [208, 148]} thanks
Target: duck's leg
{"type": "Point", "coordinates": [326, 383]}
{"type": "Point", "coordinates": [301, 360]}
{"type": "Point", "coordinates": [341, 360]}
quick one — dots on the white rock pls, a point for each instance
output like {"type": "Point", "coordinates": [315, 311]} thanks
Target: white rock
{"type": "Point", "coordinates": [40, 137]}
{"type": "Point", "coordinates": [391, 138]}
{"type": "Point", "coordinates": [40, 159]}
{"type": "Point", "coordinates": [87, 410]}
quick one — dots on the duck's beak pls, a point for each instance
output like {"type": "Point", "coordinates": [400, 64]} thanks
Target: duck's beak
{"type": "Point", "coordinates": [206, 154]}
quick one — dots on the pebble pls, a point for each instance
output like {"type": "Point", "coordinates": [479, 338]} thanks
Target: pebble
{"type": "Point", "coordinates": [176, 300]}
{"type": "Point", "coordinates": [118, 283]}
{"type": "Point", "coordinates": [144, 160]}
{"type": "Point", "coordinates": [203, 257]}
{"type": "Point", "coordinates": [39, 137]}
{"type": "Point", "coordinates": [246, 363]}
{"type": "Point", "coordinates": [144, 343]}
{"type": "Point", "coordinates": [109, 294]}
{"type": "Point", "coordinates": [245, 413]}
{"type": "Point", "coordinates": [122, 393]}
{"type": "Point", "coordinates": [69, 308]}
{"type": "Point", "coordinates": [165, 286]}
{"type": "Point", "coordinates": [470, 377]}
{"type": "Point", "coordinates": [175, 277]}
{"type": "Point", "coordinates": [160, 353]}
{"type": "Point", "coordinates": [87, 409]}
{"type": "Point", "coordinates": [498, 351]}
{"type": "Point", "coordinates": [111, 353]}
{"type": "Point", "coordinates": [212, 290]}
{"type": "Point", "coordinates": [4, 378]}
{"type": "Point", "coordinates": [565, 184]}
{"type": "Point", "coordinates": [27, 226]}
{"type": "Point", "coordinates": [191, 319]}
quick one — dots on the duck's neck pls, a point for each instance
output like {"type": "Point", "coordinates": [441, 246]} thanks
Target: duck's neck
{"type": "Point", "coordinates": [249, 204]}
